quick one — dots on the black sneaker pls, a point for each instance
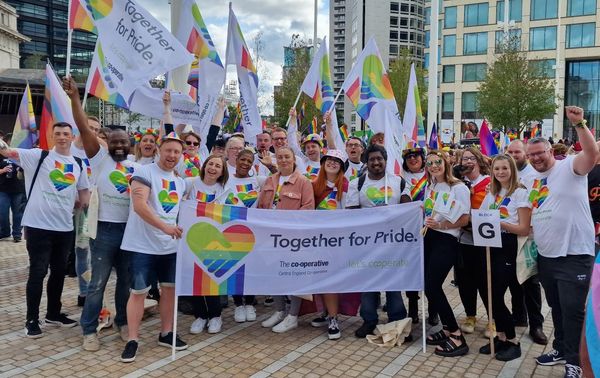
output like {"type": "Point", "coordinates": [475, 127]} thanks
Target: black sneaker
{"type": "Point", "coordinates": [17, 239]}
{"type": "Point", "coordinates": [364, 330]}
{"type": "Point", "coordinates": [321, 321]}
{"type": "Point", "coordinates": [268, 301]}
{"type": "Point", "coordinates": [130, 351]}
{"type": "Point", "coordinates": [498, 346]}
{"type": "Point", "coordinates": [33, 330]}
{"type": "Point", "coordinates": [573, 371]}
{"type": "Point", "coordinates": [433, 319]}
{"type": "Point", "coordinates": [80, 301]}
{"type": "Point", "coordinates": [61, 321]}
{"type": "Point", "coordinates": [167, 341]}
{"type": "Point", "coordinates": [154, 294]}
{"type": "Point", "coordinates": [333, 331]}
{"type": "Point", "coordinates": [509, 352]}
{"type": "Point", "coordinates": [551, 358]}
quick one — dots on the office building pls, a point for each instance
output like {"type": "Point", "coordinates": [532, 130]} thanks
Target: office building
{"type": "Point", "coordinates": [560, 35]}
{"type": "Point", "coordinates": [395, 25]}
{"type": "Point", "coordinates": [10, 38]}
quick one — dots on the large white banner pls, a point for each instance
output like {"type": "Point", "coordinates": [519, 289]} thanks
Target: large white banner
{"type": "Point", "coordinates": [148, 101]}
{"type": "Point", "coordinates": [235, 250]}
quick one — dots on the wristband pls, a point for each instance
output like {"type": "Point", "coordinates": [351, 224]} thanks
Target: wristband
{"type": "Point", "coordinates": [581, 124]}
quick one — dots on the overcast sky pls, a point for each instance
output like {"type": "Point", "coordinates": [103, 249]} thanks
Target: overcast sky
{"type": "Point", "coordinates": [276, 19]}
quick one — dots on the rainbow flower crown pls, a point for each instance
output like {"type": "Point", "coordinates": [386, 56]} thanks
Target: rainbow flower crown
{"type": "Point", "coordinates": [149, 131]}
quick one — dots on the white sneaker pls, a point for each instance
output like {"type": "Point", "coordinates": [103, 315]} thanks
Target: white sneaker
{"type": "Point", "coordinates": [290, 322]}
{"type": "Point", "coordinates": [239, 314]}
{"type": "Point", "coordinates": [198, 326]}
{"type": "Point", "coordinates": [91, 342]}
{"type": "Point", "coordinates": [215, 324]}
{"type": "Point", "coordinates": [250, 313]}
{"type": "Point", "coordinates": [274, 319]}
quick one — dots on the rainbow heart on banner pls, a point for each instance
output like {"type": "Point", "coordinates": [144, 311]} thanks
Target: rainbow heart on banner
{"type": "Point", "coordinates": [220, 253]}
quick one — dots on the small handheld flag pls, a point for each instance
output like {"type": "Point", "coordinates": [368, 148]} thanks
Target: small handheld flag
{"type": "Point", "coordinates": [433, 138]}
{"type": "Point", "coordinates": [314, 126]}
{"type": "Point", "coordinates": [486, 140]}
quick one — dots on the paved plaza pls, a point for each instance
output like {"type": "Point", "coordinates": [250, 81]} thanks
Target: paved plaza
{"type": "Point", "coordinates": [240, 350]}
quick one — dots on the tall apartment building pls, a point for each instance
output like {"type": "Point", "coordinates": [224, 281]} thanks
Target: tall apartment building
{"type": "Point", "coordinates": [45, 22]}
{"type": "Point", "coordinates": [560, 35]}
{"type": "Point", "coordinates": [394, 25]}
{"type": "Point", "coordinates": [10, 38]}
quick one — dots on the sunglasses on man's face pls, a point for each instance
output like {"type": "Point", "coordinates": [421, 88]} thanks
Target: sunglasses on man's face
{"type": "Point", "coordinates": [436, 162]}
{"type": "Point", "coordinates": [190, 143]}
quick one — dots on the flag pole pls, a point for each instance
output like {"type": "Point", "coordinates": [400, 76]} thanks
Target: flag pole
{"type": "Point", "coordinates": [335, 100]}
{"type": "Point", "coordinates": [85, 96]}
{"type": "Point", "coordinates": [295, 103]}
{"type": "Point", "coordinates": [489, 293]}
{"type": "Point", "coordinates": [174, 340]}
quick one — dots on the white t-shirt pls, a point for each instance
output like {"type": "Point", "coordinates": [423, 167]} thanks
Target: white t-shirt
{"type": "Point", "coordinates": [437, 191]}
{"type": "Point", "coordinates": [331, 202]}
{"type": "Point", "coordinates": [112, 180]}
{"type": "Point", "coordinates": [80, 153]}
{"type": "Point", "coordinates": [353, 170]}
{"type": "Point", "coordinates": [312, 169]}
{"type": "Point", "coordinates": [201, 192]}
{"type": "Point", "coordinates": [416, 181]}
{"type": "Point", "coordinates": [561, 217]}
{"type": "Point", "coordinates": [142, 160]}
{"type": "Point", "coordinates": [373, 192]}
{"type": "Point", "coordinates": [243, 192]}
{"type": "Point", "coordinates": [51, 202]}
{"type": "Point", "coordinates": [189, 166]}
{"type": "Point", "coordinates": [526, 176]}
{"type": "Point", "coordinates": [166, 193]}
{"type": "Point", "coordinates": [508, 206]}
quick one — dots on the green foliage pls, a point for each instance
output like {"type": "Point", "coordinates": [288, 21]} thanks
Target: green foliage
{"type": "Point", "coordinates": [35, 61]}
{"type": "Point", "coordinates": [233, 115]}
{"type": "Point", "coordinates": [515, 92]}
{"type": "Point", "coordinates": [399, 74]}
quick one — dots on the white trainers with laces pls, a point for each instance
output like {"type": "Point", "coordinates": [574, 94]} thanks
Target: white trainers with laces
{"type": "Point", "coordinates": [290, 322]}
{"type": "Point", "coordinates": [239, 315]}
{"type": "Point", "coordinates": [198, 326]}
{"type": "Point", "coordinates": [215, 324]}
{"type": "Point", "coordinates": [91, 342]}
{"type": "Point", "coordinates": [274, 319]}
{"type": "Point", "coordinates": [250, 313]}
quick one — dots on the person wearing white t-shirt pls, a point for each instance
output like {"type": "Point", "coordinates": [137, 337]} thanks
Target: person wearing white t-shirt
{"type": "Point", "coordinates": [112, 172]}
{"type": "Point", "coordinates": [509, 197]}
{"type": "Point", "coordinates": [377, 188]}
{"type": "Point", "coordinates": [55, 185]}
{"type": "Point", "coordinates": [354, 149]}
{"type": "Point", "coordinates": [526, 297]}
{"type": "Point", "coordinates": [309, 151]}
{"type": "Point", "coordinates": [563, 231]}
{"type": "Point", "coordinates": [268, 161]}
{"type": "Point", "coordinates": [150, 239]}
{"type": "Point", "coordinates": [442, 248]}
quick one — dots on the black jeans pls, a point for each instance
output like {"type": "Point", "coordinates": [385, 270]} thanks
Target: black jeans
{"type": "Point", "coordinates": [441, 252]}
{"type": "Point", "coordinates": [527, 301]}
{"type": "Point", "coordinates": [471, 278]}
{"type": "Point", "coordinates": [46, 249]}
{"type": "Point", "coordinates": [240, 300]}
{"type": "Point", "coordinates": [206, 306]}
{"type": "Point", "coordinates": [566, 281]}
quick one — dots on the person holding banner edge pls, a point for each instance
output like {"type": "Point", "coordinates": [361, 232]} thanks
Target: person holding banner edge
{"type": "Point", "coordinates": [442, 248]}
{"type": "Point", "coordinates": [509, 197]}
{"type": "Point", "coordinates": [563, 231]}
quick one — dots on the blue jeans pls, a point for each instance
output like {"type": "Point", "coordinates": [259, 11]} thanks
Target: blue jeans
{"type": "Point", "coordinates": [394, 303]}
{"type": "Point", "coordinates": [16, 203]}
{"type": "Point", "coordinates": [106, 253]}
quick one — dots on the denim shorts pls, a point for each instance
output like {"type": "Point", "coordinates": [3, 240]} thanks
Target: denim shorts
{"type": "Point", "coordinates": [145, 267]}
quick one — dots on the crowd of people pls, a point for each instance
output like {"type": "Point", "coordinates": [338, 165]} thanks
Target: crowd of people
{"type": "Point", "coordinates": [116, 206]}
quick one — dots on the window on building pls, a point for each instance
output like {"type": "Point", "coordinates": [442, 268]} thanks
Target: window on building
{"type": "Point", "coordinates": [543, 38]}
{"type": "Point", "coordinates": [581, 35]}
{"type": "Point", "coordinates": [581, 7]}
{"type": "Point", "coordinates": [475, 43]}
{"type": "Point", "coordinates": [450, 17]}
{"type": "Point", "coordinates": [31, 10]}
{"type": "Point", "coordinates": [544, 9]}
{"type": "Point", "coordinates": [476, 14]}
{"type": "Point", "coordinates": [59, 16]}
{"type": "Point", "coordinates": [426, 59]}
{"type": "Point", "coordinates": [449, 45]}
{"type": "Point", "coordinates": [544, 67]}
{"type": "Point", "coordinates": [448, 74]}
{"type": "Point", "coordinates": [474, 72]}
{"type": "Point", "coordinates": [514, 36]}
{"type": "Point", "coordinates": [404, 21]}
{"type": "Point", "coordinates": [33, 29]}
{"type": "Point", "coordinates": [404, 8]}
{"type": "Point", "coordinates": [394, 7]}
{"type": "Point", "coordinates": [469, 102]}
{"type": "Point", "coordinates": [427, 15]}
{"type": "Point", "coordinates": [403, 36]}
{"type": "Point", "coordinates": [515, 11]}
{"type": "Point", "coordinates": [448, 102]}
{"type": "Point", "coordinates": [393, 50]}
{"type": "Point", "coordinates": [60, 34]}
{"type": "Point", "coordinates": [427, 36]}
{"type": "Point", "coordinates": [394, 35]}
{"type": "Point", "coordinates": [35, 47]}
{"type": "Point", "coordinates": [394, 21]}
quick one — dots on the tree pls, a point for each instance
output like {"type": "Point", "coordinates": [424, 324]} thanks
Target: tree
{"type": "Point", "coordinates": [515, 92]}
{"type": "Point", "coordinates": [399, 75]}
{"type": "Point", "coordinates": [36, 61]}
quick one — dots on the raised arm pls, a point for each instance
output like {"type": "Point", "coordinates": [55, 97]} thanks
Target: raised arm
{"type": "Point", "coordinates": [292, 134]}
{"type": "Point", "coordinates": [330, 132]}
{"type": "Point", "coordinates": [88, 138]}
{"type": "Point", "coordinates": [586, 159]}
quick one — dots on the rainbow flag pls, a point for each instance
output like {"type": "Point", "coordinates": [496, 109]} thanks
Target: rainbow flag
{"type": "Point", "coordinates": [486, 140]}
{"type": "Point", "coordinates": [344, 132]}
{"type": "Point", "coordinates": [433, 138]}
{"type": "Point", "coordinates": [103, 84]}
{"type": "Point", "coordinates": [57, 108]}
{"type": "Point", "coordinates": [314, 126]}
{"type": "Point", "coordinates": [237, 125]}
{"type": "Point", "coordinates": [24, 131]}
{"type": "Point", "coordinates": [417, 192]}
{"type": "Point", "coordinates": [79, 18]}
{"type": "Point", "coordinates": [301, 114]}
{"type": "Point", "coordinates": [194, 74]}
{"type": "Point", "coordinates": [534, 131]}
{"type": "Point", "coordinates": [413, 115]}
{"type": "Point", "coordinates": [590, 356]}
{"type": "Point", "coordinates": [478, 193]}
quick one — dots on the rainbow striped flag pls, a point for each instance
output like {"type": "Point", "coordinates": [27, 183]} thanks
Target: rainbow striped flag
{"type": "Point", "coordinates": [486, 140]}
{"type": "Point", "coordinates": [344, 132]}
{"type": "Point", "coordinates": [237, 125]}
{"type": "Point", "coordinates": [24, 130]}
{"type": "Point", "coordinates": [417, 193]}
{"type": "Point", "coordinates": [79, 18]}
{"type": "Point", "coordinates": [314, 126]}
{"type": "Point", "coordinates": [57, 108]}
{"type": "Point", "coordinates": [103, 84]}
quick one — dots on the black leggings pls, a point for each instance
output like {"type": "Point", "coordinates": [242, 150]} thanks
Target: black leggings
{"type": "Point", "coordinates": [240, 300]}
{"type": "Point", "coordinates": [470, 275]}
{"type": "Point", "coordinates": [441, 251]}
{"type": "Point", "coordinates": [206, 307]}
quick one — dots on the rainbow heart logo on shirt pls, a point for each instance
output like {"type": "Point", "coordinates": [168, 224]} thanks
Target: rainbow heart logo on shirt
{"type": "Point", "coordinates": [88, 167]}
{"type": "Point", "coordinates": [62, 176]}
{"type": "Point", "coordinates": [220, 252]}
{"type": "Point", "coordinates": [429, 203]}
{"type": "Point", "coordinates": [312, 172]}
{"type": "Point", "coordinates": [168, 197]}
{"type": "Point", "coordinates": [539, 192]}
{"type": "Point", "coordinates": [120, 177]}
{"type": "Point", "coordinates": [377, 196]}
{"type": "Point", "coordinates": [205, 197]}
{"type": "Point", "coordinates": [329, 202]}
{"type": "Point", "coordinates": [247, 194]}
{"type": "Point", "coordinates": [231, 200]}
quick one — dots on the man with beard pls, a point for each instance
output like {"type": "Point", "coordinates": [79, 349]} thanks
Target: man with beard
{"type": "Point", "coordinates": [112, 171]}
{"type": "Point", "coordinates": [268, 164]}
{"type": "Point", "coordinates": [354, 150]}
{"type": "Point", "coordinates": [527, 297]}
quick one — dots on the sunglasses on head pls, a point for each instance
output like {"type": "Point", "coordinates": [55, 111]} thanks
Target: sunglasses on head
{"type": "Point", "coordinates": [432, 162]}
{"type": "Point", "coordinates": [190, 143]}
